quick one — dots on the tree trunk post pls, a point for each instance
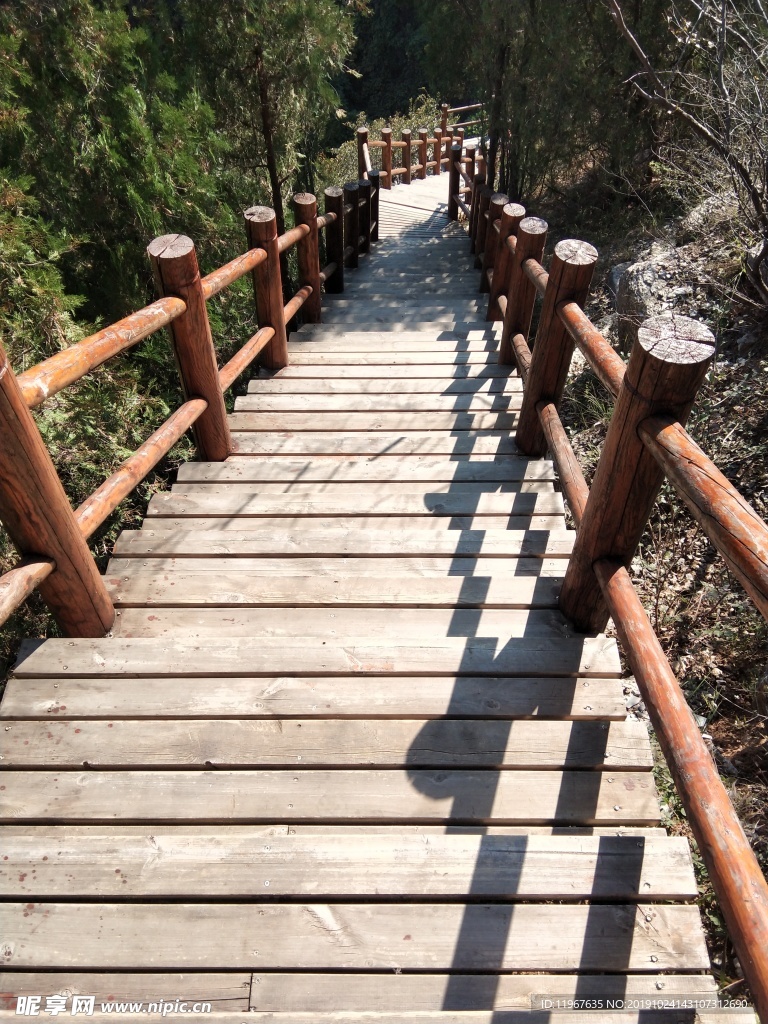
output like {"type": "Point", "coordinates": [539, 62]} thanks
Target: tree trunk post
{"type": "Point", "coordinates": [666, 367]}
{"type": "Point", "coordinates": [438, 151]}
{"type": "Point", "coordinates": [364, 189]}
{"type": "Point", "coordinates": [174, 264]}
{"type": "Point", "coordinates": [511, 216]}
{"type": "Point", "coordinates": [454, 183]}
{"type": "Point", "coordinates": [386, 156]}
{"type": "Point", "coordinates": [423, 152]}
{"type": "Point", "coordinates": [477, 185]}
{"type": "Point", "coordinates": [406, 151]}
{"type": "Point", "coordinates": [308, 253]}
{"type": "Point", "coordinates": [362, 141]}
{"type": "Point", "coordinates": [261, 227]}
{"type": "Point", "coordinates": [570, 275]}
{"type": "Point", "coordinates": [39, 519]}
{"type": "Point", "coordinates": [497, 204]}
{"type": "Point", "coordinates": [352, 225]}
{"type": "Point", "coordinates": [375, 186]}
{"type": "Point", "coordinates": [521, 294]}
{"type": "Point", "coordinates": [481, 227]}
{"type": "Point", "coordinates": [334, 239]}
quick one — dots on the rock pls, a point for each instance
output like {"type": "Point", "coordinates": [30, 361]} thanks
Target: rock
{"type": "Point", "coordinates": [708, 216]}
{"type": "Point", "coordinates": [612, 284]}
{"type": "Point", "coordinates": [645, 290]}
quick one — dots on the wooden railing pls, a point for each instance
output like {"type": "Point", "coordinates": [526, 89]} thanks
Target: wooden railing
{"type": "Point", "coordinates": [646, 442]}
{"type": "Point", "coordinates": [50, 536]}
{"type": "Point", "coordinates": [434, 149]}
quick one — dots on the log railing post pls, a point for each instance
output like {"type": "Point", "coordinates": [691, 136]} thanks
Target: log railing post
{"type": "Point", "coordinates": [308, 253]}
{"type": "Point", "coordinates": [334, 239]}
{"type": "Point", "coordinates": [39, 519]}
{"type": "Point", "coordinates": [406, 151]}
{"type": "Point", "coordinates": [375, 186]}
{"type": "Point", "coordinates": [362, 142]}
{"type": "Point", "coordinates": [444, 108]}
{"type": "Point", "coordinates": [423, 152]}
{"type": "Point", "coordinates": [469, 167]}
{"type": "Point", "coordinates": [364, 190]}
{"type": "Point", "coordinates": [666, 367]}
{"type": "Point", "coordinates": [497, 204]}
{"type": "Point", "coordinates": [460, 138]}
{"type": "Point", "coordinates": [511, 216]}
{"type": "Point", "coordinates": [261, 226]}
{"type": "Point", "coordinates": [352, 225]}
{"type": "Point", "coordinates": [174, 264]}
{"type": "Point", "coordinates": [454, 183]}
{"type": "Point", "coordinates": [521, 293]}
{"type": "Point", "coordinates": [477, 186]}
{"type": "Point", "coordinates": [570, 275]}
{"type": "Point", "coordinates": [438, 151]}
{"type": "Point", "coordinates": [481, 226]}
{"type": "Point", "coordinates": [386, 156]}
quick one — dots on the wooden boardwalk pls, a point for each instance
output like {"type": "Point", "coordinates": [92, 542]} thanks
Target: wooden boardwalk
{"type": "Point", "coordinates": [342, 753]}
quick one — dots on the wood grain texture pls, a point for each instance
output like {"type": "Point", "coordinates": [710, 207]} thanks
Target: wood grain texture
{"type": "Point", "coordinates": [386, 868]}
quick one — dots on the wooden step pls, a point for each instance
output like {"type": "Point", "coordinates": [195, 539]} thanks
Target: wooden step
{"type": "Point", "coordinates": [386, 868]}
{"type": "Point", "coordinates": [420, 545]}
{"type": "Point", "coordinates": [406, 469]}
{"type": "Point", "coordinates": [384, 697]}
{"type": "Point", "coordinates": [375, 936]}
{"type": "Point", "coordinates": [240, 656]}
{"type": "Point", "coordinates": [299, 404]}
{"type": "Point", "coordinates": [307, 743]}
{"type": "Point", "coordinates": [454, 525]}
{"type": "Point", "coordinates": [455, 502]}
{"type": "Point", "coordinates": [379, 385]}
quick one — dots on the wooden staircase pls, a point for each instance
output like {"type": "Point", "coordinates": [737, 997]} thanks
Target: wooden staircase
{"type": "Point", "coordinates": [341, 754]}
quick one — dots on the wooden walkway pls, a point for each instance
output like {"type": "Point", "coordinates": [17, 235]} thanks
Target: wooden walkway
{"type": "Point", "coordinates": [342, 753]}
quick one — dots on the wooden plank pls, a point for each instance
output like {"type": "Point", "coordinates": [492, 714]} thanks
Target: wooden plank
{"type": "Point", "coordinates": [224, 992]}
{"type": "Point", "coordinates": [358, 540]}
{"type": "Point", "coordinates": [368, 936]}
{"type": "Point", "coordinates": [241, 469]}
{"type": "Point", "coordinates": [247, 656]}
{"type": "Point", "coordinates": [476, 360]}
{"type": "Point", "coordinates": [311, 796]}
{"type": "Point", "coordinates": [389, 370]}
{"type": "Point", "coordinates": [349, 492]}
{"type": "Point", "coordinates": [341, 624]}
{"type": "Point", "coordinates": [223, 590]}
{"type": "Point", "coordinates": [362, 993]}
{"type": "Point", "coordinates": [447, 323]}
{"type": "Point", "coordinates": [727, 1016]}
{"type": "Point", "coordinates": [459, 443]}
{"type": "Point", "coordinates": [500, 422]}
{"type": "Point", "coordinates": [349, 566]}
{"type": "Point", "coordinates": [291, 993]}
{"type": "Point", "coordinates": [307, 743]}
{"type": "Point", "coordinates": [314, 696]}
{"type": "Point", "coordinates": [472, 502]}
{"type": "Point", "coordinates": [378, 403]}
{"type": "Point", "coordinates": [504, 868]}
{"type": "Point", "coordinates": [454, 525]}
{"type": "Point", "coordinates": [398, 385]}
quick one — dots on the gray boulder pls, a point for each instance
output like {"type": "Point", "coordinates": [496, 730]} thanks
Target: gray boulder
{"type": "Point", "coordinates": [644, 290]}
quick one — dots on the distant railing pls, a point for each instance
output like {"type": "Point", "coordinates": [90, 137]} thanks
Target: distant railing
{"type": "Point", "coordinates": [646, 442]}
{"type": "Point", "coordinates": [434, 149]}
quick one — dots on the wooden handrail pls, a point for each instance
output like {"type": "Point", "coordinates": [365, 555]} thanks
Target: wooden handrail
{"type": "Point", "coordinates": [242, 359]}
{"type": "Point", "coordinates": [462, 110]}
{"type": "Point", "coordinates": [105, 499]}
{"type": "Point", "coordinates": [619, 490]}
{"type": "Point", "coordinates": [289, 238]}
{"type": "Point", "coordinates": [220, 279]}
{"type": "Point", "coordinates": [292, 307]}
{"type": "Point", "coordinates": [56, 373]}
{"type": "Point", "coordinates": [20, 583]}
